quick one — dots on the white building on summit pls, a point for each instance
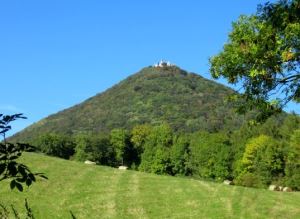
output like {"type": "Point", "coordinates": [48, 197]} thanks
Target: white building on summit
{"type": "Point", "coordinates": [162, 63]}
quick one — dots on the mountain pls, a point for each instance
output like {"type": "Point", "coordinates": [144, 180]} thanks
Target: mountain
{"type": "Point", "coordinates": [187, 101]}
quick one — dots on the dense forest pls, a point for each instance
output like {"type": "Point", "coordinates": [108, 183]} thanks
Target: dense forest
{"type": "Point", "coordinates": [254, 155]}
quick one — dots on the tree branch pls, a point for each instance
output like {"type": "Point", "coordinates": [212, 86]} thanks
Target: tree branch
{"type": "Point", "coordinates": [290, 78]}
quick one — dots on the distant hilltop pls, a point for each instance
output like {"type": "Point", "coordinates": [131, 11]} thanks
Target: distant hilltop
{"type": "Point", "coordinates": [163, 63]}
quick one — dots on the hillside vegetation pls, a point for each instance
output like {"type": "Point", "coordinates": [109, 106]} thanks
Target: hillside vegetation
{"type": "Point", "coordinates": [104, 192]}
{"type": "Point", "coordinates": [164, 120]}
{"type": "Point", "coordinates": [254, 156]}
{"type": "Point", "coordinates": [186, 101]}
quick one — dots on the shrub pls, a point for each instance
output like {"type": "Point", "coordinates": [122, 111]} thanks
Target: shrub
{"type": "Point", "coordinates": [250, 180]}
{"type": "Point", "coordinates": [56, 145]}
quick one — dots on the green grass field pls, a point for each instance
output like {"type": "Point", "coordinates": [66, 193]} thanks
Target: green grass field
{"type": "Point", "coordinates": [103, 192]}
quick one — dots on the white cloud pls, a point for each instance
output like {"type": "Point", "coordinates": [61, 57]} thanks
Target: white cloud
{"type": "Point", "coordinates": [8, 108]}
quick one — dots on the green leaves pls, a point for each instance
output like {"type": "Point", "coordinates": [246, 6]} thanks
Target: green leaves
{"type": "Point", "coordinates": [9, 154]}
{"type": "Point", "coordinates": [10, 169]}
{"type": "Point", "coordinates": [15, 184]}
{"type": "Point", "coordinates": [262, 54]}
{"type": "Point", "coordinates": [6, 119]}
{"type": "Point", "coordinates": [2, 168]}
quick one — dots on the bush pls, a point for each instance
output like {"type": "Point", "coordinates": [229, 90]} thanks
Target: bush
{"type": "Point", "coordinates": [249, 180]}
{"type": "Point", "coordinates": [293, 182]}
{"type": "Point", "coordinates": [95, 148]}
{"type": "Point", "coordinates": [56, 145]}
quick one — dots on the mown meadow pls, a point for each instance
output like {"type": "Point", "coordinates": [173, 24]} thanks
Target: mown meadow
{"type": "Point", "coordinates": [104, 192]}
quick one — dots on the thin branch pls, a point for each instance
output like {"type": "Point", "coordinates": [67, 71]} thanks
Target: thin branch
{"type": "Point", "coordinates": [290, 78]}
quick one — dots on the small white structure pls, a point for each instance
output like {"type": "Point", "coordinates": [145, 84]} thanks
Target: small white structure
{"type": "Point", "coordinates": [90, 162]}
{"type": "Point", "coordinates": [123, 168]}
{"type": "Point", "coordinates": [162, 63]}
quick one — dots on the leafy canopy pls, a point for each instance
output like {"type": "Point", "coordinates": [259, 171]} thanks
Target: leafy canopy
{"type": "Point", "coordinates": [17, 172]}
{"type": "Point", "coordinates": [263, 54]}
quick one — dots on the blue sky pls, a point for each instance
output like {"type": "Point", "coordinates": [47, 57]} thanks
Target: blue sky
{"type": "Point", "coordinates": [56, 53]}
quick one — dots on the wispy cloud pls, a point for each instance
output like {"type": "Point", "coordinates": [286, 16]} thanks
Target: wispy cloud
{"type": "Point", "coordinates": [10, 108]}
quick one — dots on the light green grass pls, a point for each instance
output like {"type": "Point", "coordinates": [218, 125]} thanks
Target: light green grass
{"type": "Point", "coordinates": [103, 192]}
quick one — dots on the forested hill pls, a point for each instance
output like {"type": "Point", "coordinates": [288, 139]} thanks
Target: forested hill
{"type": "Point", "coordinates": [187, 101]}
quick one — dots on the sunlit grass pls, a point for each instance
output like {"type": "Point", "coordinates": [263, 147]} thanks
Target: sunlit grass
{"type": "Point", "coordinates": [103, 192]}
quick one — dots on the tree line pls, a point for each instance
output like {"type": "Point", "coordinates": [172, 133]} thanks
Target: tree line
{"type": "Point", "coordinates": [254, 155]}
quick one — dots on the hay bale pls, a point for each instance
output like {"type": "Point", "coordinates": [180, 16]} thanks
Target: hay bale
{"type": "Point", "coordinates": [90, 162]}
{"type": "Point", "coordinates": [273, 188]}
{"type": "Point", "coordinates": [287, 189]}
{"type": "Point", "coordinates": [227, 182]}
{"type": "Point", "coordinates": [123, 168]}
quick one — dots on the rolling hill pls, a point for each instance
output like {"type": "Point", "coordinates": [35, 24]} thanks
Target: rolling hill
{"type": "Point", "coordinates": [104, 192]}
{"type": "Point", "coordinates": [187, 101]}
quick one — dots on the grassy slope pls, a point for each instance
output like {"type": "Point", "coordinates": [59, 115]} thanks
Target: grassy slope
{"type": "Point", "coordinates": [103, 192]}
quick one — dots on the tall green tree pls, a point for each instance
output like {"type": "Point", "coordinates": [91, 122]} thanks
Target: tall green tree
{"type": "Point", "coordinates": [83, 148]}
{"type": "Point", "coordinates": [289, 125]}
{"type": "Point", "coordinates": [139, 135]}
{"type": "Point", "coordinates": [210, 155]}
{"type": "Point", "coordinates": [264, 157]}
{"type": "Point", "coordinates": [120, 141]}
{"type": "Point", "coordinates": [156, 155]}
{"type": "Point", "coordinates": [94, 147]}
{"type": "Point", "coordinates": [179, 155]}
{"type": "Point", "coordinates": [263, 55]}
